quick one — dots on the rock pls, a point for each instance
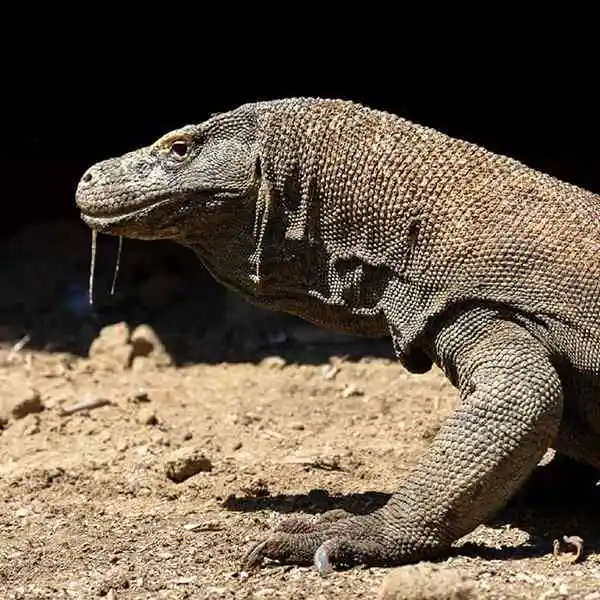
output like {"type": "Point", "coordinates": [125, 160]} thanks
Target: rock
{"type": "Point", "coordinates": [257, 488]}
{"type": "Point", "coordinates": [140, 396]}
{"type": "Point", "coordinates": [425, 582]}
{"type": "Point", "coordinates": [273, 362]}
{"type": "Point", "coordinates": [111, 348]}
{"type": "Point", "coordinates": [142, 364]}
{"type": "Point", "coordinates": [148, 417]}
{"type": "Point", "coordinates": [114, 578]}
{"type": "Point", "coordinates": [330, 372]}
{"type": "Point", "coordinates": [144, 340]}
{"type": "Point", "coordinates": [28, 425]}
{"type": "Point", "coordinates": [147, 344]}
{"type": "Point", "coordinates": [20, 404]}
{"type": "Point", "coordinates": [116, 334]}
{"type": "Point", "coordinates": [351, 390]}
{"type": "Point", "coordinates": [117, 348]}
{"type": "Point", "coordinates": [186, 462]}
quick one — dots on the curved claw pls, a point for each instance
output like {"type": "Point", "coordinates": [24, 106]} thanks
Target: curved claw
{"type": "Point", "coordinates": [297, 548]}
{"type": "Point", "coordinates": [253, 557]}
{"type": "Point", "coordinates": [321, 558]}
{"type": "Point", "coordinates": [345, 552]}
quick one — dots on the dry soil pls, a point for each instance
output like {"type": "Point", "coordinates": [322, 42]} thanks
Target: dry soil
{"type": "Point", "coordinates": [145, 444]}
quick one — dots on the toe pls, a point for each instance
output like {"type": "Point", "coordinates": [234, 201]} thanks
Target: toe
{"type": "Point", "coordinates": [295, 548]}
{"type": "Point", "coordinates": [344, 552]}
{"type": "Point", "coordinates": [336, 514]}
{"type": "Point", "coordinates": [295, 525]}
{"type": "Point", "coordinates": [318, 524]}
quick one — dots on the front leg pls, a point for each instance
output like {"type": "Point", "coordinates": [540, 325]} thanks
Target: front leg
{"type": "Point", "coordinates": [509, 412]}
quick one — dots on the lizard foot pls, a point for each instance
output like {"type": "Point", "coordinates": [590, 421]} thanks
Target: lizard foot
{"type": "Point", "coordinates": [336, 539]}
{"type": "Point", "coordinates": [299, 525]}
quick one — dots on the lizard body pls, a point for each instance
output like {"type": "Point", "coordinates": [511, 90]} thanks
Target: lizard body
{"type": "Point", "coordinates": [361, 221]}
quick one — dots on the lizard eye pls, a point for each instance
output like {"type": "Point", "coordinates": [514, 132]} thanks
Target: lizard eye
{"type": "Point", "coordinates": [179, 149]}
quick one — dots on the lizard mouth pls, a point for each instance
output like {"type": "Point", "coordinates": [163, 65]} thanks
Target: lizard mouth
{"type": "Point", "coordinates": [142, 222]}
{"type": "Point", "coordinates": [102, 224]}
{"type": "Point", "coordinates": [104, 218]}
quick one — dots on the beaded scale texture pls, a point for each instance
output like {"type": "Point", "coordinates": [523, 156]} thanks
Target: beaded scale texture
{"type": "Point", "coordinates": [361, 221]}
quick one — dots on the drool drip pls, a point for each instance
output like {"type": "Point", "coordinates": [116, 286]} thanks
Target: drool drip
{"type": "Point", "coordinates": [92, 268]}
{"type": "Point", "coordinates": [117, 265]}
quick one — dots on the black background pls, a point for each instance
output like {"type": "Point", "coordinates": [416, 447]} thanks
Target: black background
{"type": "Point", "coordinates": [77, 92]}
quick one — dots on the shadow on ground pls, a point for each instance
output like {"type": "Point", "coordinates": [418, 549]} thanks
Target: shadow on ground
{"type": "Point", "coordinates": [559, 499]}
{"type": "Point", "coordinates": [44, 273]}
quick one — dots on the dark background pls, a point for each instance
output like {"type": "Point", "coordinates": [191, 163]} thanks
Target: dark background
{"type": "Point", "coordinates": [63, 112]}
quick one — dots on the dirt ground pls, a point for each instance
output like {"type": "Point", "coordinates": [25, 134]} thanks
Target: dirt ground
{"type": "Point", "coordinates": [100, 410]}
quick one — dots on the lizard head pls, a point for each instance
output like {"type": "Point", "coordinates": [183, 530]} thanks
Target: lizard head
{"type": "Point", "coordinates": [196, 177]}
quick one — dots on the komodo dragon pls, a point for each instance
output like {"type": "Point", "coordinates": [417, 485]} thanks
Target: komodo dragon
{"type": "Point", "coordinates": [360, 221]}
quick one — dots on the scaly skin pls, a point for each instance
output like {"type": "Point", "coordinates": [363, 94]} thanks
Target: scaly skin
{"type": "Point", "coordinates": [360, 221]}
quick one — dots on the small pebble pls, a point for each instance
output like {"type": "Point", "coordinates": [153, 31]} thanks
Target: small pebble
{"type": "Point", "coordinates": [273, 362]}
{"type": "Point", "coordinates": [206, 526]}
{"type": "Point", "coordinates": [146, 343]}
{"type": "Point", "coordinates": [352, 390]}
{"type": "Point", "coordinates": [21, 404]}
{"type": "Point", "coordinates": [184, 580]}
{"type": "Point", "coordinates": [239, 575]}
{"type": "Point", "coordinates": [330, 372]}
{"type": "Point", "coordinates": [148, 417]}
{"type": "Point", "coordinates": [110, 349]}
{"type": "Point", "coordinates": [140, 395]}
{"type": "Point", "coordinates": [29, 425]}
{"type": "Point", "coordinates": [186, 462]}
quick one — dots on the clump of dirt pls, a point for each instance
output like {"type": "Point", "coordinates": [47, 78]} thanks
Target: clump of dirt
{"type": "Point", "coordinates": [424, 582]}
{"type": "Point", "coordinates": [185, 463]}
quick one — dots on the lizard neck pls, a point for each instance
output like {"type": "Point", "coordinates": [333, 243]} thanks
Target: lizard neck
{"type": "Point", "coordinates": [332, 221]}
{"type": "Point", "coordinates": [342, 214]}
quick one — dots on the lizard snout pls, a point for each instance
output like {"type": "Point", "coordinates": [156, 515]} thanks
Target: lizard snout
{"type": "Point", "coordinates": [88, 176]}
{"type": "Point", "coordinates": [97, 189]}
{"type": "Point", "coordinates": [85, 185]}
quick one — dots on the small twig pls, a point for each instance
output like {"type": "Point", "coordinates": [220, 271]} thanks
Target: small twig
{"type": "Point", "coordinates": [209, 526]}
{"type": "Point", "coordinates": [272, 434]}
{"type": "Point", "coordinates": [324, 463]}
{"type": "Point", "coordinates": [85, 405]}
{"type": "Point", "coordinates": [570, 540]}
{"type": "Point", "coordinates": [18, 347]}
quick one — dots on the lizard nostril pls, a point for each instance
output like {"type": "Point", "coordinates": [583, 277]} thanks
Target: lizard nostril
{"type": "Point", "coordinates": [87, 177]}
